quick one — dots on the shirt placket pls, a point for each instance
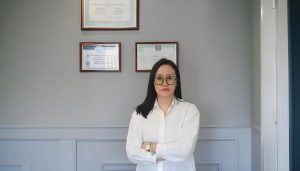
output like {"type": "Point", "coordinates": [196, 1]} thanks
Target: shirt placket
{"type": "Point", "coordinates": [161, 137]}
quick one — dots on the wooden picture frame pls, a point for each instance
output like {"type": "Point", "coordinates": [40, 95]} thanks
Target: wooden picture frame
{"type": "Point", "coordinates": [100, 57]}
{"type": "Point", "coordinates": [148, 53]}
{"type": "Point", "coordinates": [109, 15]}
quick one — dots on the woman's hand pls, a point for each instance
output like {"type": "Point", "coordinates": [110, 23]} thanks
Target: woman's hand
{"type": "Point", "coordinates": [153, 147]}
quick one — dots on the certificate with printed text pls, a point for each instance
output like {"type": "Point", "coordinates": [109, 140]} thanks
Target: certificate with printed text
{"type": "Point", "coordinates": [100, 56]}
{"type": "Point", "coordinates": [109, 14]}
{"type": "Point", "coordinates": [148, 53]}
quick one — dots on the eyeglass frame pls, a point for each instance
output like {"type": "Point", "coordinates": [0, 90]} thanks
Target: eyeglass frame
{"type": "Point", "coordinates": [165, 80]}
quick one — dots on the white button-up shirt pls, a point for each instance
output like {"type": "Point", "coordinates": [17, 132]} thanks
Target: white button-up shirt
{"type": "Point", "coordinates": [176, 133]}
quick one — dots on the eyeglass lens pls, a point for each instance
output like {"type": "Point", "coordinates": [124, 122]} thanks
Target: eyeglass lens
{"type": "Point", "coordinates": [170, 80]}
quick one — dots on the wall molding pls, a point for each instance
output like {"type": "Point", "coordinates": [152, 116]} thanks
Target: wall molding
{"type": "Point", "coordinates": [114, 166]}
{"type": "Point", "coordinates": [236, 142]}
{"type": "Point", "coordinates": [218, 165]}
{"type": "Point", "coordinates": [116, 133]}
{"type": "Point", "coordinates": [117, 166]}
{"type": "Point", "coordinates": [3, 126]}
{"type": "Point", "coordinates": [23, 167]}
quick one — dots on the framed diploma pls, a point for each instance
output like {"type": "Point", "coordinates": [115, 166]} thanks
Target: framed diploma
{"type": "Point", "coordinates": [109, 15]}
{"type": "Point", "coordinates": [148, 53]}
{"type": "Point", "coordinates": [100, 56]}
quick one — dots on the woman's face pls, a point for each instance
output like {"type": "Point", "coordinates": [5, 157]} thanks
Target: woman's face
{"type": "Point", "coordinates": [165, 81]}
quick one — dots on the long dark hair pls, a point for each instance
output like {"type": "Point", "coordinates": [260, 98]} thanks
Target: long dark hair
{"type": "Point", "coordinates": [145, 108]}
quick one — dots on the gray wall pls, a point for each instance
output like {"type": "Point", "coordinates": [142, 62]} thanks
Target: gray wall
{"type": "Point", "coordinates": [256, 89]}
{"type": "Point", "coordinates": [40, 82]}
{"type": "Point", "coordinates": [256, 67]}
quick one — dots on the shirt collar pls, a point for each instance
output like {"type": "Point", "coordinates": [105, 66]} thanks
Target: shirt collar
{"type": "Point", "coordinates": [175, 101]}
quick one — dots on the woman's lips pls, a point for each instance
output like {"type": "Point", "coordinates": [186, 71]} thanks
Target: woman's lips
{"type": "Point", "coordinates": [165, 89]}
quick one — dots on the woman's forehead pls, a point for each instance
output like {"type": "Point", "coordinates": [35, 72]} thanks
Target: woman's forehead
{"type": "Point", "coordinates": [165, 70]}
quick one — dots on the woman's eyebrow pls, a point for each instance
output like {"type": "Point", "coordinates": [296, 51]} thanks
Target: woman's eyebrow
{"type": "Point", "coordinates": [165, 75]}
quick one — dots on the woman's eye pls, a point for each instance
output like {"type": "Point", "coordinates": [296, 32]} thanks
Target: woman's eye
{"type": "Point", "coordinates": [170, 78]}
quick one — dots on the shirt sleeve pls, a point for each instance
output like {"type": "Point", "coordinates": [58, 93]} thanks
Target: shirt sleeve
{"type": "Point", "coordinates": [134, 143]}
{"type": "Point", "coordinates": [184, 147]}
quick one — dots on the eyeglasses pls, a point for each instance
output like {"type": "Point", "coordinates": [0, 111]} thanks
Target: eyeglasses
{"type": "Point", "coordinates": [170, 80]}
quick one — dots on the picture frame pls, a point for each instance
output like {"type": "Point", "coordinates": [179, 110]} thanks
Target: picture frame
{"type": "Point", "coordinates": [148, 53]}
{"type": "Point", "coordinates": [109, 15]}
{"type": "Point", "coordinates": [100, 57]}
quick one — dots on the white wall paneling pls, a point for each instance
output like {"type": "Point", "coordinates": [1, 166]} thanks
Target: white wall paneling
{"type": "Point", "coordinates": [268, 87]}
{"type": "Point", "coordinates": [283, 86]}
{"type": "Point", "coordinates": [67, 160]}
{"type": "Point", "coordinates": [29, 155]}
{"type": "Point", "coordinates": [14, 167]}
{"type": "Point", "coordinates": [274, 86]}
{"type": "Point", "coordinates": [103, 149]}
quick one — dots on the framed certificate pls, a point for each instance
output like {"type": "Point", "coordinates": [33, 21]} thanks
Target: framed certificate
{"type": "Point", "coordinates": [100, 56]}
{"type": "Point", "coordinates": [148, 53]}
{"type": "Point", "coordinates": [109, 15]}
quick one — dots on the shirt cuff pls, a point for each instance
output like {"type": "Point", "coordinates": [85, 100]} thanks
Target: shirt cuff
{"type": "Point", "coordinates": [161, 150]}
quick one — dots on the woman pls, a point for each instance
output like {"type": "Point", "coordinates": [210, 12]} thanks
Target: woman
{"type": "Point", "coordinates": [163, 129]}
